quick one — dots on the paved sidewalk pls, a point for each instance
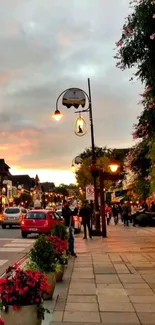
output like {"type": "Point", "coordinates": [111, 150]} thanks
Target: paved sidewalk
{"type": "Point", "coordinates": [111, 282]}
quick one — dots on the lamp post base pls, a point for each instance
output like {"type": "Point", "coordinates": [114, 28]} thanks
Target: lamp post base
{"type": "Point", "coordinates": [104, 233]}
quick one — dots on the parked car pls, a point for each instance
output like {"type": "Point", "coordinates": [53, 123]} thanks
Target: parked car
{"type": "Point", "coordinates": [12, 216]}
{"type": "Point", "coordinates": [76, 219]}
{"type": "Point", "coordinates": [39, 221]}
{"type": "Point", "coordinates": [1, 217]}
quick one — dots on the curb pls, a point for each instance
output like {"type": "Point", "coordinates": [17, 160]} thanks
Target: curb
{"type": "Point", "coordinates": [20, 263]}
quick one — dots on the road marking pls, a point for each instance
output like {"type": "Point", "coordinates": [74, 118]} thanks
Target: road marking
{"type": "Point", "coordinates": [16, 245]}
{"type": "Point", "coordinates": [2, 262]}
{"type": "Point", "coordinates": [11, 249]}
{"type": "Point", "coordinates": [1, 239]}
{"type": "Point", "coordinates": [31, 241]}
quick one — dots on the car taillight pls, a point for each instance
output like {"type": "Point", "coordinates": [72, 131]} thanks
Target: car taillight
{"type": "Point", "coordinates": [46, 223]}
{"type": "Point", "coordinates": [75, 218]}
{"type": "Point", "coordinates": [21, 216]}
{"type": "Point", "coordinates": [23, 222]}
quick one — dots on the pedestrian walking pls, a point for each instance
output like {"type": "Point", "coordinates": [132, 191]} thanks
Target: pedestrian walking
{"type": "Point", "coordinates": [133, 213]}
{"type": "Point", "coordinates": [86, 214]}
{"type": "Point", "coordinates": [108, 212]}
{"type": "Point", "coordinates": [115, 214]}
{"type": "Point", "coordinates": [120, 211]}
{"type": "Point", "coordinates": [126, 212]}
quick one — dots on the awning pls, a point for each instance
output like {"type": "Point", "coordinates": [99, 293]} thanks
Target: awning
{"type": "Point", "coordinates": [118, 199]}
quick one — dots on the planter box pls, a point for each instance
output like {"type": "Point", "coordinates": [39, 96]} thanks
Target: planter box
{"type": "Point", "coordinates": [26, 315]}
{"type": "Point", "coordinates": [59, 272]}
{"type": "Point", "coordinates": [52, 282]}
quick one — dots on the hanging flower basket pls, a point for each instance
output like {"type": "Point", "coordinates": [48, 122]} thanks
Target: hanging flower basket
{"type": "Point", "coordinates": [94, 170]}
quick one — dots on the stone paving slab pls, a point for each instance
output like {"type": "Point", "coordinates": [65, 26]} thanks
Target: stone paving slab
{"type": "Point", "coordinates": [80, 316]}
{"type": "Point", "coordinates": [82, 289]}
{"type": "Point", "coordinates": [85, 299]}
{"type": "Point", "coordinates": [116, 306]}
{"type": "Point", "coordinates": [142, 299]}
{"type": "Point", "coordinates": [104, 270]}
{"type": "Point", "coordinates": [107, 278]}
{"type": "Point", "coordinates": [143, 285]}
{"type": "Point", "coordinates": [120, 318]}
{"type": "Point", "coordinates": [147, 318]}
{"type": "Point", "coordinates": [79, 306]}
{"type": "Point", "coordinates": [139, 292]}
{"type": "Point", "coordinates": [144, 308]}
{"type": "Point", "coordinates": [131, 278]}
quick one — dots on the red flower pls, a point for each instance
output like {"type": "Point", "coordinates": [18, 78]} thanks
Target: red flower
{"type": "Point", "coordinates": [60, 245]}
{"type": "Point", "coordinates": [19, 288]}
{"type": "Point", "coordinates": [1, 322]}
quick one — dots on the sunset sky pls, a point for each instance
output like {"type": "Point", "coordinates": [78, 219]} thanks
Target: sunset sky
{"type": "Point", "coordinates": [46, 47]}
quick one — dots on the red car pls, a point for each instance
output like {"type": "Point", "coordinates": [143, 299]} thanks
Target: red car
{"type": "Point", "coordinates": [39, 221]}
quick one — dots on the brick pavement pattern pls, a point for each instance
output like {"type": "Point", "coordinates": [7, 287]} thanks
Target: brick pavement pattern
{"type": "Point", "coordinates": [111, 282]}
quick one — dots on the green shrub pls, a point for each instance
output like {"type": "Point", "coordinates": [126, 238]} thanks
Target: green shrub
{"type": "Point", "coordinates": [30, 265]}
{"type": "Point", "coordinates": [60, 231]}
{"type": "Point", "coordinates": [43, 254]}
{"type": "Point", "coordinates": [142, 220]}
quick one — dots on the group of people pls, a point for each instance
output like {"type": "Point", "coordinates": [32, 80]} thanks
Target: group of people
{"type": "Point", "coordinates": [127, 212]}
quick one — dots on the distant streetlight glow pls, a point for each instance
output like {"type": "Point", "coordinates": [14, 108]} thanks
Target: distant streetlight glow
{"type": "Point", "coordinates": [57, 115]}
{"type": "Point", "coordinates": [114, 167]}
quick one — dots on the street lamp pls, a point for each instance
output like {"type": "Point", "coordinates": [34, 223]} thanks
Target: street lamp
{"type": "Point", "coordinates": [76, 97]}
{"type": "Point", "coordinates": [57, 115]}
{"type": "Point", "coordinates": [114, 168]}
{"type": "Point", "coordinates": [77, 161]}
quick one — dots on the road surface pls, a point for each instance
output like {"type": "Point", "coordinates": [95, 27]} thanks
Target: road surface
{"type": "Point", "coordinates": [12, 247]}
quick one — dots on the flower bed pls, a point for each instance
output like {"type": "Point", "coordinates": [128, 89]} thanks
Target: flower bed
{"type": "Point", "coordinates": [23, 288]}
{"type": "Point", "coordinates": [26, 288]}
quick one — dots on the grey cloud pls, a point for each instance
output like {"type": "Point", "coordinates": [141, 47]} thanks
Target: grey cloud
{"type": "Point", "coordinates": [54, 45]}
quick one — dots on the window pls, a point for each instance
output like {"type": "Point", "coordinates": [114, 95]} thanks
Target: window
{"type": "Point", "coordinates": [36, 215]}
{"type": "Point", "coordinates": [51, 215]}
{"type": "Point", "coordinates": [12, 210]}
{"type": "Point", "coordinates": [56, 215]}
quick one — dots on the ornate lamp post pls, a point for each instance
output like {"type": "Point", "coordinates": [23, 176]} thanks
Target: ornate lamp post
{"type": "Point", "coordinates": [76, 97]}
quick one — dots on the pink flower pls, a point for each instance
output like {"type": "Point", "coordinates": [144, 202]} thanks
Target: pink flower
{"type": "Point", "coordinates": [119, 43]}
{"type": "Point", "coordinates": [152, 36]}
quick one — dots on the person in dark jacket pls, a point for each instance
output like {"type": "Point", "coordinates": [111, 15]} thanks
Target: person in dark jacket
{"type": "Point", "coordinates": [126, 212]}
{"type": "Point", "coordinates": [76, 210]}
{"type": "Point", "coordinates": [86, 214]}
{"type": "Point", "coordinates": [115, 214]}
{"type": "Point", "coordinates": [66, 213]}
